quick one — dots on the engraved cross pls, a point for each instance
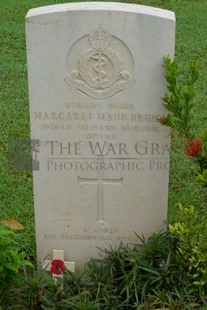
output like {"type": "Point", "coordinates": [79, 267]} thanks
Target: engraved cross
{"type": "Point", "coordinates": [100, 181]}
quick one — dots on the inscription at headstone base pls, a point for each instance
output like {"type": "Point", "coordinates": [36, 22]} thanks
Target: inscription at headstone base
{"type": "Point", "coordinates": [95, 86]}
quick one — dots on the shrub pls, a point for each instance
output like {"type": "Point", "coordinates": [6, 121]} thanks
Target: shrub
{"type": "Point", "coordinates": [10, 258]}
{"type": "Point", "coordinates": [191, 247]}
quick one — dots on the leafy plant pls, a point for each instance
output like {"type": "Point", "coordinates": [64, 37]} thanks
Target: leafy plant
{"type": "Point", "coordinates": [191, 247]}
{"type": "Point", "coordinates": [180, 103]}
{"type": "Point", "coordinates": [31, 285]}
{"type": "Point", "coordinates": [202, 177]}
{"type": "Point", "coordinates": [179, 100]}
{"type": "Point", "coordinates": [10, 258]}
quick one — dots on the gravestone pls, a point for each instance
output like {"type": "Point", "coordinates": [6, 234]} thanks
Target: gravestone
{"type": "Point", "coordinates": [95, 86]}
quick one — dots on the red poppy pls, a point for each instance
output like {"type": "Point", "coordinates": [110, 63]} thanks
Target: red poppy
{"type": "Point", "coordinates": [57, 266]}
{"type": "Point", "coordinates": [194, 147]}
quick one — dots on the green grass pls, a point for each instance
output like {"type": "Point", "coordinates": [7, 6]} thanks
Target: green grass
{"type": "Point", "coordinates": [16, 188]}
{"type": "Point", "coordinates": [16, 197]}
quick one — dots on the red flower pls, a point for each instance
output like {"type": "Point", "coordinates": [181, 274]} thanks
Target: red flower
{"type": "Point", "coordinates": [57, 266]}
{"type": "Point", "coordinates": [194, 147]}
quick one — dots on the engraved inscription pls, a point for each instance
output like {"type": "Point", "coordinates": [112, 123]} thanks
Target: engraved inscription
{"type": "Point", "coordinates": [50, 236]}
{"type": "Point", "coordinates": [106, 125]}
{"type": "Point", "coordinates": [100, 230]}
{"type": "Point", "coordinates": [100, 72]}
{"type": "Point", "coordinates": [109, 237]}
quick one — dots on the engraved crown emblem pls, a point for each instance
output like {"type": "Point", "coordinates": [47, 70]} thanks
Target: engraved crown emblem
{"type": "Point", "coordinates": [99, 38]}
{"type": "Point", "coordinates": [99, 72]}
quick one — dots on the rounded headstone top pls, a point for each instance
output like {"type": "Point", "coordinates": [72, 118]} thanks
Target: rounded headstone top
{"type": "Point", "coordinates": [34, 15]}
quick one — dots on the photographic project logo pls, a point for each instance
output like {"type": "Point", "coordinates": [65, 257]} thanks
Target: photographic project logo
{"type": "Point", "coordinates": [23, 155]}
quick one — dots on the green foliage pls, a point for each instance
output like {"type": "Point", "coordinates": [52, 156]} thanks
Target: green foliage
{"type": "Point", "coordinates": [202, 177]}
{"type": "Point", "coordinates": [203, 155]}
{"type": "Point", "coordinates": [10, 258]}
{"type": "Point", "coordinates": [29, 288]}
{"type": "Point", "coordinates": [151, 275]}
{"type": "Point", "coordinates": [179, 101]}
{"type": "Point", "coordinates": [203, 136]}
{"type": "Point", "coordinates": [132, 274]}
{"type": "Point", "coordinates": [191, 247]}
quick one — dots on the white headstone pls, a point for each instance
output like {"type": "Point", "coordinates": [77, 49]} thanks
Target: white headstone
{"type": "Point", "coordinates": [95, 85]}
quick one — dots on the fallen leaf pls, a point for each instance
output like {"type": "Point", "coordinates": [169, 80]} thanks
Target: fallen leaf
{"type": "Point", "coordinates": [13, 224]}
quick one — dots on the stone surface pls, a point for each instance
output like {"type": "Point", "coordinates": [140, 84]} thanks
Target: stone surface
{"type": "Point", "coordinates": [95, 85]}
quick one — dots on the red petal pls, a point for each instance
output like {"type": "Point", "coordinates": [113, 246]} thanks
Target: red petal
{"type": "Point", "coordinates": [57, 266]}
